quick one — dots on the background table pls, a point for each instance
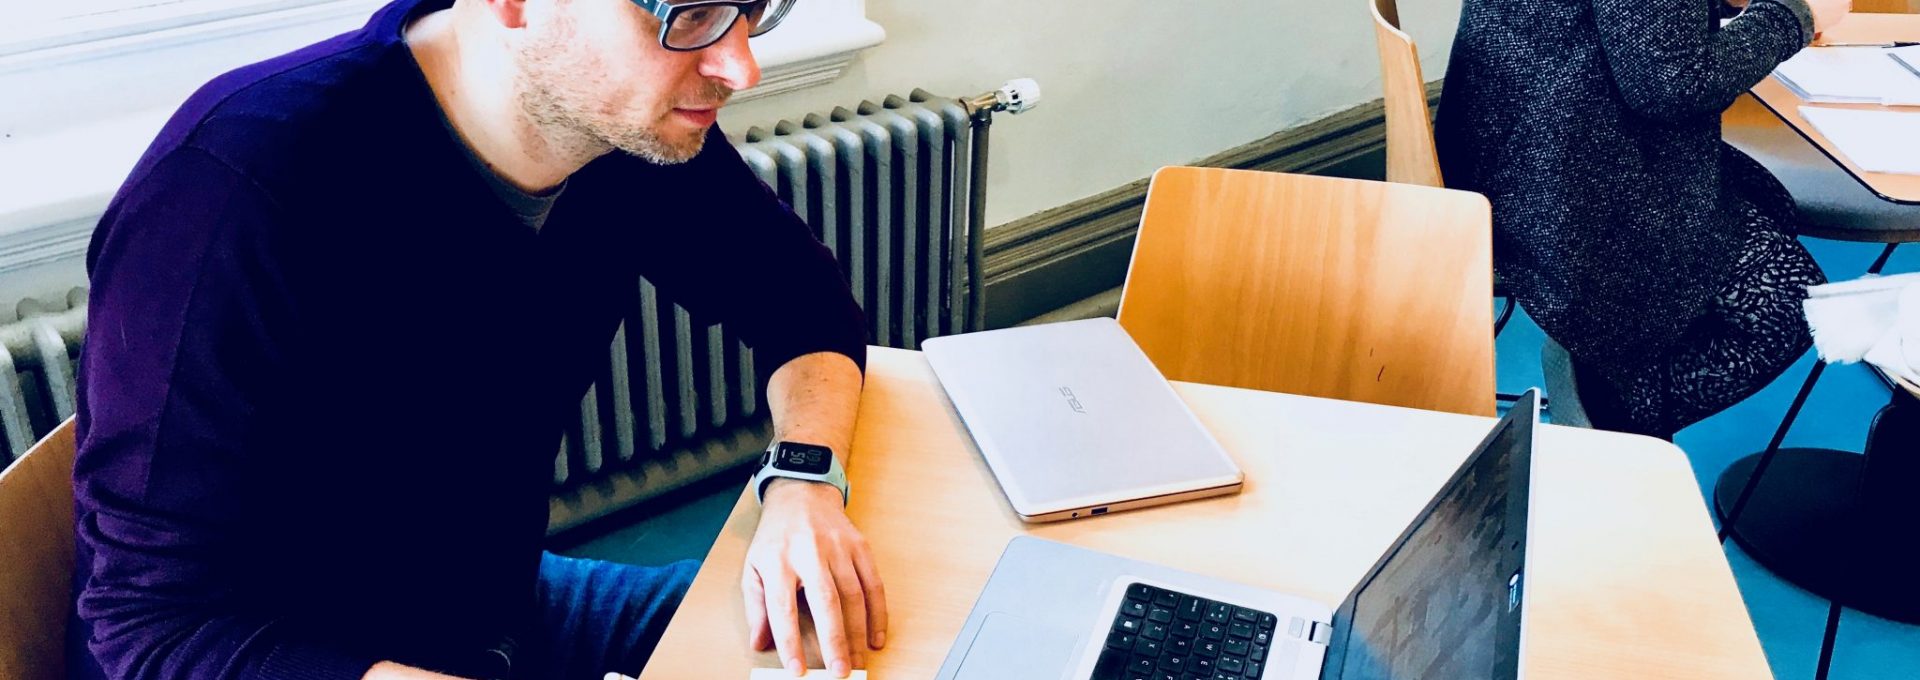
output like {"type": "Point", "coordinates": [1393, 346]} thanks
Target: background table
{"type": "Point", "coordinates": [1856, 28]}
{"type": "Point", "coordinates": [1626, 578]}
{"type": "Point", "coordinates": [1832, 521]}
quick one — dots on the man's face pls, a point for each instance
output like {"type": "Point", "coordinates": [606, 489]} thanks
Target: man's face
{"type": "Point", "coordinates": [596, 67]}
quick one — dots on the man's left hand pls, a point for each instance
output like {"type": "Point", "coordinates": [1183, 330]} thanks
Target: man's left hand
{"type": "Point", "coordinates": [806, 544]}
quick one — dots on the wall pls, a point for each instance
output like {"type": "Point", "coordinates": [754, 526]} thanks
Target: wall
{"type": "Point", "coordinates": [1129, 85]}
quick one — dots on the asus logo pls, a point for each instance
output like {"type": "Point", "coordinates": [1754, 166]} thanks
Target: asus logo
{"type": "Point", "coordinates": [1073, 401]}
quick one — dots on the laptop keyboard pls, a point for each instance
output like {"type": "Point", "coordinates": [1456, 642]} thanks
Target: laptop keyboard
{"type": "Point", "coordinates": [1160, 634]}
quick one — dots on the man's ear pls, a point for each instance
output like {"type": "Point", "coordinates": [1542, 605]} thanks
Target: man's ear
{"type": "Point", "coordinates": [510, 13]}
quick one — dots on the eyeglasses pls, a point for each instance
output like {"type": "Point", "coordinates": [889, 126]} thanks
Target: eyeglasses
{"type": "Point", "coordinates": [688, 25]}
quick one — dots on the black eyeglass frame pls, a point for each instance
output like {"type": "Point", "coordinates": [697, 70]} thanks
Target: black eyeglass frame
{"type": "Point", "coordinates": [667, 13]}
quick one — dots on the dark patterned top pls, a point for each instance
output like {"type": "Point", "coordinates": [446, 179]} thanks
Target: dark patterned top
{"type": "Point", "coordinates": [1593, 126]}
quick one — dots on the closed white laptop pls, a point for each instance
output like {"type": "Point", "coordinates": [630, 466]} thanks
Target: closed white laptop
{"type": "Point", "coordinates": [1076, 421]}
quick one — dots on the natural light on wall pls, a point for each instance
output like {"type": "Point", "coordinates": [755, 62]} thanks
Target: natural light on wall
{"type": "Point", "coordinates": [87, 83]}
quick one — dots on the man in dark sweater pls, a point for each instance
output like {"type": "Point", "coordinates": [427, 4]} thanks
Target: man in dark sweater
{"type": "Point", "coordinates": [343, 305]}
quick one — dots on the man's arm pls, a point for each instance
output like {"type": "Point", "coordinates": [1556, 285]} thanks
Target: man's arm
{"type": "Point", "coordinates": [186, 338]}
{"type": "Point", "coordinates": [805, 540]}
{"type": "Point", "coordinates": [748, 261]}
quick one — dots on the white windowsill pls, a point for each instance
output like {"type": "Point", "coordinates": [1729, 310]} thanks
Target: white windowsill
{"type": "Point", "coordinates": [59, 168]}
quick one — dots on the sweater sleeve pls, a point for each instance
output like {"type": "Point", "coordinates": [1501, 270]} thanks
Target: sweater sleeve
{"type": "Point", "coordinates": [1670, 63]}
{"type": "Point", "coordinates": [750, 262]}
{"type": "Point", "coordinates": [186, 333]}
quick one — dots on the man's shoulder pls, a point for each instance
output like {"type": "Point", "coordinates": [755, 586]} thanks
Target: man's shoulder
{"type": "Point", "coordinates": [296, 117]}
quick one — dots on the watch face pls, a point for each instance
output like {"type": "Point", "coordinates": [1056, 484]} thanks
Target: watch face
{"type": "Point", "coordinates": [803, 458]}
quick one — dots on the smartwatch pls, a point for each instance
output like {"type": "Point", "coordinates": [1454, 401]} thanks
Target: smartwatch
{"type": "Point", "coordinates": [794, 460]}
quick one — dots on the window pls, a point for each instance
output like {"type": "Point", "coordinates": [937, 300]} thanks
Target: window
{"type": "Point", "coordinates": [45, 24]}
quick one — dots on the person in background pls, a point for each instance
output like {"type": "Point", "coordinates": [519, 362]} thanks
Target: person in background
{"type": "Point", "coordinates": [1660, 258]}
{"type": "Point", "coordinates": [302, 454]}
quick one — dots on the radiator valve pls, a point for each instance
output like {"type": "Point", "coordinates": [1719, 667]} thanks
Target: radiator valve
{"type": "Point", "coordinates": [1017, 96]}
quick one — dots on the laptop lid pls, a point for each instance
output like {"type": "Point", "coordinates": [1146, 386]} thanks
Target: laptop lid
{"type": "Point", "coordinates": [1445, 600]}
{"type": "Point", "coordinates": [1073, 416]}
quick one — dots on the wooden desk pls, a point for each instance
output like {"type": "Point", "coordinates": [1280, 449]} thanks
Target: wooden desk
{"type": "Point", "coordinates": [1626, 581]}
{"type": "Point", "coordinates": [1856, 28]}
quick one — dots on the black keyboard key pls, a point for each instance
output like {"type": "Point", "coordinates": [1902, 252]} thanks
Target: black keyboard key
{"type": "Point", "coordinates": [1111, 666]}
{"type": "Point", "coordinates": [1185, 629]}
{"type": "Point", "coordinates": [1157, 631]}
{"type": "Point", "coordinates": [1192, 608]}
{"type": "Point", "coordinates": [1219, 613]}
{"type": "Point", "coordinates": [1205, 647]}
{"type": "Point", "coordinates": [1166, 598]}
{"type": "Point", "coordinates": [1263, 638]}
{"type": "Point", "coordinates": [1240, 630]}
{"type": "Point", "coordinates": [1139, 591]}
{"type": "Point", "coordinates": [1259, 653]}
{"type": "Point", "coordinates": [1120, 641]}
{"type": "Point", "coordinates": [1202, 664]}
{"type": "Point", "coordinates": [1164, 675]}
{"type": "Point", "coordinates": [1231, 664]}
{"type": "Point", "coordinates": [1213, 631]}
{"type": "Point", "coordinates": [1146, 647]}
{"type": "Point", "coordinates": [1160, 614]}
{"type": "Point", "coordinates": [1181, 646]}
{"type": "Point", "coordinates": [1131, 608]}
{"type": "Point", "coordinates": [1141, 664]}
{"type": "Point", "coordinates": [1173, 663]}
{"type": "Point", "coordinates": [1197, 676]}
{"type": "Point", "coordinates": [1128, 625]}
{"type": "Point", "coordinates": [1245, 614]}
{"type": "Point", "coordinates": [1253, 669]}
{"type": "Point", "coordinates": [1235, 646]}
{"type": "Point", "coordinates": [1268, 622]}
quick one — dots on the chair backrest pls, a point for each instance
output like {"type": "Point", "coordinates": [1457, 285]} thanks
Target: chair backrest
{"type": "Point", "coordinates": [1887, 6]}
{"type": "Point", "coordinates": [1329, 287]}
{"type": "Point", "coordinates": [1411, 157]}
{"type": "Point", "coordinates": [36, 571]}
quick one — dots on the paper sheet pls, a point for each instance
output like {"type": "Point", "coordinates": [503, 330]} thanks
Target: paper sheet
{"type": "Point", "coordinates": [1850, 75]}
{"type": "Point", "coordinates": [1876, 140]}
{"type": "Point", "coordinates": [814, 674]}
{"type": "Point", "coordinates": [773, 674]}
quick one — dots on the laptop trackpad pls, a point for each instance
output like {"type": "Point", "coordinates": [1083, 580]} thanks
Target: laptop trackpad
{"type": "Point", "coordinates": [1008, 646]}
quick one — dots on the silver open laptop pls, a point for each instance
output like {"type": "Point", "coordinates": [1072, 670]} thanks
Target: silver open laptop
{"type": "Point", "coordinates": [1444, 602]}
{"type": "Point", "coordinates": [1054, 407]}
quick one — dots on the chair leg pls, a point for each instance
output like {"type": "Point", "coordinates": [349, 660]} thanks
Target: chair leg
{"type": "Point", "coordinates": [1506, 313]}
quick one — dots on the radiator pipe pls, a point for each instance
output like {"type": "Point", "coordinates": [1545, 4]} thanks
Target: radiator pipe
{"type": "Point", "coordinates": [24, 340]}
{"type": "Point", "coordinates": [1015, 97]}
{"type": "Point", "coordinates": [977, 225]}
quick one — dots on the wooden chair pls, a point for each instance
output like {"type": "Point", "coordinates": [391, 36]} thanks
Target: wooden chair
{"type": "Point", "coordinates": [1329, 287]}
{"type": "Point", "coordinates": [1411, 157]}
{"type": "Point", "coordinates": [36, 570]}
{"type": "Point", "coordinates": [1887, 6]}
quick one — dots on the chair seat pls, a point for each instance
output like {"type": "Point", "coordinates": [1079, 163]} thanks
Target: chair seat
{"type": "Point", "coordinates": [1833, 205]}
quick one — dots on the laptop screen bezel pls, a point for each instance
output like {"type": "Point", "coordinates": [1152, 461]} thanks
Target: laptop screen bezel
{"type": "Point", "coordinates": [1524, 415]}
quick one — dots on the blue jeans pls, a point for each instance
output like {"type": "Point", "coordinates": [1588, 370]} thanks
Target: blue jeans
{"type": "Point", "coordinates": [599, 616]}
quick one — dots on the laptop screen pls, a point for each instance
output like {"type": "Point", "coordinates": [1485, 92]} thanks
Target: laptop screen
{"type": "Point", "coordinates": [1438, 605]}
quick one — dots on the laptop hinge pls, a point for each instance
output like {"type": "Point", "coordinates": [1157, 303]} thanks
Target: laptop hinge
{"type": "Point", "coordinates": [1320, 633]}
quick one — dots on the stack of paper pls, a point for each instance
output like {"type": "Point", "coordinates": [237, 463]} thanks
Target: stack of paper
{"type": "Point", "coordinates": [1850, 75]}
{"type": "Point", "coordinates": [1876, 319]}
{"type": "Point", "coordinates": [1876, 140]}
